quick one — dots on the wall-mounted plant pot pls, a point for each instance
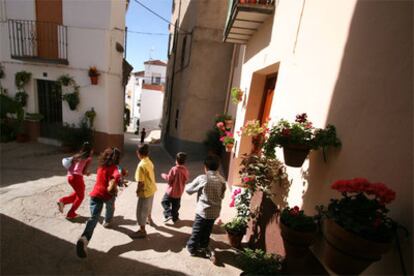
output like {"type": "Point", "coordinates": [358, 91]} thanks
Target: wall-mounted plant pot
{"type": "Point", "coordinates": [296, 243]}
{"type": "Point", "coordinates": [258, 142]}
{"type": "Point", "coordinates": [295, 155]}
{"type": "Point", "coordinates": [229, 147]}
{"type": "Point", "coordinates": [346, 253]}
{"type": "Point", "coordinates": [94, 80]}
{"type": "Point", "coordinates": [228, 124]}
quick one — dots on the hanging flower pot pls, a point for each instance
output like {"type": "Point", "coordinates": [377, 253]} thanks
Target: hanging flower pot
{"type": "Point", "coordinates": [346, 253]}
{"type": "Point", "coordinates": [94, 80]}
{"type": "Point", "coordinates": [228, 124]}
{"type": "Point", "coordinates": [229, 147]}
{"type": "Point", "coordinates": [295, 155]}
{"type": "Point", "coordinates": [296, 243]}
{"type": "Point", "coordinates": [258, 142]}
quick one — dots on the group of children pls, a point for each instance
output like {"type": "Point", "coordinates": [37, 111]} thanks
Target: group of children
{"type": "Point", "coordinates": [210, 188]}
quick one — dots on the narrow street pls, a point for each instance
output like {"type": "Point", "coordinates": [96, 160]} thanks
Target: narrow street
{"type": "Point", "coordinates": [32, 182]}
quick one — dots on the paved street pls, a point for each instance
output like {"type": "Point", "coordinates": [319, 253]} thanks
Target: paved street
{"type": "Point", "coordinates": [37, 239]}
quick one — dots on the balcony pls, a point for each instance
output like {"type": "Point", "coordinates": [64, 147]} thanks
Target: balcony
{"type": "Point", "coordinates": [244, 19]}
{"type": "Point", "coordinates": [38, 41]}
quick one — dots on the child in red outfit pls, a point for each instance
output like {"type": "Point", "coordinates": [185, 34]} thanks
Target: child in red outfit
{"type": "Point", "coordinates": [79, 167]}
{"type": "Point", "coordinates": [107, 172]}
{"type": "Point", "coordinates": [176, 177]}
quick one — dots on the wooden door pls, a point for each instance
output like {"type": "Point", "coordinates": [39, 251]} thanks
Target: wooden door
{"type": "Point", "coordinates": [50, 106]}
{"type": "Point", "coordinates": [48, 19]}
{"type": "Point", "coordinates": [268, 94]}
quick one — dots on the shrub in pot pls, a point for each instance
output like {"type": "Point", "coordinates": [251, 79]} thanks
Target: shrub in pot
{"type": "Point", "coordinates": [258, 262]}
{"type": "Point", "coordinates": [236, 229]}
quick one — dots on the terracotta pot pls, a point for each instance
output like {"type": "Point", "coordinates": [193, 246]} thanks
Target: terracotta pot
{"type": "Point", "coordinates": [94, 80]}
{"type": "Point", "coordinates": [228, 124]}
{"type": "Point", "coordinates": [295, 155]}
{"type": "Point", "coordinates": [346, 253]}
{"type": "Point", "coordinates": [242, 1]}
{"type": "Point", "coordinates": [258, 142]}
{"type": "Point", "coordinates": [229, 147]}
{"type": "Point", "coordinates": [33, 129]}
{"type": "Point", "coordinates": [235, 240]}
{"type": "Point", "coordinates": [296, 243]}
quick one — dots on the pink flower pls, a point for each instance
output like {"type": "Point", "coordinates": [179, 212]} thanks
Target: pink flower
{"type": "Point", "coordinates": [222, 138]}
{"type": "Point", "coordinates": [220, 125]}
{"type": "Point", "coordinates": [229, 134]}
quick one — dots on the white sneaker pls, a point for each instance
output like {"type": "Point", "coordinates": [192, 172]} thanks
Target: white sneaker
{"type": "Point", "coordinates": [82, 247]}
{"type": "Point", "coordinates": [60, 206]}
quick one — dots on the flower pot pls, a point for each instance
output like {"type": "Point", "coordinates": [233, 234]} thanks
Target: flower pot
{"type": "Point", "coordinates": [228, 124]}
{"type": "Point", "coordinates": [235, 239]}
{"type": "Point", "coordinates": [296, 243]}
{"type": "Point", "coordinates": [33, 129]}
{"type": "Point", "coordinates": [94, 80]}
{"type": "Point", "coordinates": [258, 142]}
{"type": "Point", "coordinates": [229, 147]}
{"type": "Point", "coordinates": [347, 253]}
{"type": "Point", "coordinates": [242, 1]}
{"type": "Point", "coordinates": [295, 155]}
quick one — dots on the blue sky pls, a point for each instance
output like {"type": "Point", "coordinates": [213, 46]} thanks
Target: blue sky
{"type": "Point", "coordinates": [140, 47]}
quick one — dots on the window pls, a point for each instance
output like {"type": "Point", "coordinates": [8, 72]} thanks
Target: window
{"type": "Point", "coordinates": [183, 51]}
{"type": "Point", "coordinates": [176, 118]}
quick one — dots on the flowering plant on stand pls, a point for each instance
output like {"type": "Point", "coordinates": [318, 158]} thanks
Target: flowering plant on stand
{"type": "Point", "coordinates": [296, 219]}
{"type": "Point", "coordinates": [361, 210]}
{"type": "Point", "coordinates": [227, 139]}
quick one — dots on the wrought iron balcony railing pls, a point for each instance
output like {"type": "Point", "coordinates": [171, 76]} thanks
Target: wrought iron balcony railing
{"type": "Point", "coordinates": [245, 17]}
{"type": "Point", "coordinates": [38, 41]}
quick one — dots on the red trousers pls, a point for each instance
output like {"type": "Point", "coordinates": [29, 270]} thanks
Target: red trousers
{"type": "Point", "coordinates": [76, 198]}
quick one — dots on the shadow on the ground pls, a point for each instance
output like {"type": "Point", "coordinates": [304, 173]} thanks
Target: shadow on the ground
{"type": "Point", "coordinates": [27, 250]}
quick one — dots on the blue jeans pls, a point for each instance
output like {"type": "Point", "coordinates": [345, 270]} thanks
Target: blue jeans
{"type": "Point", "coordinates": [200, 236]}
{"type": "Point", "coordinates": [96, 206]}
{"type": "Point", "coordinates": [171, 207]}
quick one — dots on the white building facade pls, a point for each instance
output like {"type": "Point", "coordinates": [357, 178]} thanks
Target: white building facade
{"type": "Point", "coordinates": [145, 95]}
{"type": "Point", "coordinates": [72, 39]}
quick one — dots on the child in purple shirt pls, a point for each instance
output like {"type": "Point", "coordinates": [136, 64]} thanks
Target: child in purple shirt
{"type": "Point", "coordinates": [176, 178]}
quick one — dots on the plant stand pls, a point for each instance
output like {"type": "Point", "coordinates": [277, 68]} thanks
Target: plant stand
{"type": "Point", "coordinates": [346, 253]}
{"type": "Point", "coordinates": [295, 155]}
{"type": "Point", "coordinates": [296, 243]}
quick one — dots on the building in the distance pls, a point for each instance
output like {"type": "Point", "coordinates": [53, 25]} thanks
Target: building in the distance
{"type": "Point", "coordinates": [144, 95]}
{"type": "Point", "coordinates": [50, 39]}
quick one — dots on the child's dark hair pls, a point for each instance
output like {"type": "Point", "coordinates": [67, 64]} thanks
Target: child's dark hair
{"type": "Point", "coordinates": [212, 162]}
{"type": "Point", "coordinates": [84, 152]}
{"type": "Point", "coordinates": [143, 150]}
{"type": "Point", "coordinates": [181, 157]}
{"type": "Point", "coordinates": [109, 156]}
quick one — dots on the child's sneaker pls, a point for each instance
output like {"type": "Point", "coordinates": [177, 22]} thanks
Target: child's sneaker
{"type": "Point", "coordinates": [107, 224]}
{"type": "Point", "coordinates": [81, 247]}
{"type": "Point", "coordinates": [60, 206]}
{"type": "Point", "coordinates": [71, 217]}
{"type": "Point", "coordinates": [167, 219]}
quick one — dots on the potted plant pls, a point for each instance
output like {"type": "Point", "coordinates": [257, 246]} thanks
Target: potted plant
{"type": "Point", "coordinates": [257, 131]}
{"type": "Point", "coordinates": [72, 98]}
{"type": "Point", "coordinates": [236, 229]}
{"type": "Point", "coordinates": [236, 95]}
{"type": "Point", "coordinates": [22, 78]}
{"type": "Point", "coordinates": [32, 125]}
{"type": "Point", "coordinates": [298, 231]}
{"type": "Point", "coordinates": [356, 228]}
{"type": "Point", "coordinates": [66, 80]}
{"type": "Point", "coordinates": [261, 173]}
{"type": "Point", "coordinates": [93, 74]}
{"type": "Point", "coordinates": [298, 138]}
{"type": "Point", "coordinates": [228, 140]}
{"type": "Point", "coordinates": [21, 97]}
{"type": "Point", "coordinates": [90, 116]}
{"type": "Point", "coordinates": [258, 262]}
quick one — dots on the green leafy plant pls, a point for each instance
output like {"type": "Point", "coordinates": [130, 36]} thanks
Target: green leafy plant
{"type": "Point", "coordinates": [260, 172]}
{"type": "Point", "coordinates": [11, 118]}
{"type": "Point", "coordinates": [93, 72]}
{"type": "Point", "coordinates": [258, 262]}
{"type": "Point", "coordinates": [90, 116]}
{"type": "Point", "coordinates": [237, 226]}
{"type": "Point", "coordinates": [253, 128]}
{"type": "Point", "coordinates": [296, 219]}
{"type": "Point", "coordinates": [228, 139]}
{"type": "Point", "coordinates": [361, 210]}
{"type": "Point", "coordinates": [301, 132]}
{"type": "Point", "coordinates": [66, 80]}
{"type": "Point", "coordinates": [21, 97]}
{"type": "Point", "coordinates": [236, 95]}
{"type": "Point", "coordinates": [72, 98]}
{"type": "Point", "coordinates": [22, 78]}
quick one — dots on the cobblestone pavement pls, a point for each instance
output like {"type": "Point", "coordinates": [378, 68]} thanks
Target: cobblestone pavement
{"type": "Point", "coordinates": [37, 239]}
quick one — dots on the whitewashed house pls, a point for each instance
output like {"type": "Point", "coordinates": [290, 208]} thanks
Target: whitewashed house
{"type": "Point", "coordinates": [145, 95]}
{"type": "Point", "coordinates": [53, 38]}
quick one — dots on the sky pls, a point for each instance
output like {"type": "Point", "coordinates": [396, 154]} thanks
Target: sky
{"type": "Point", "coordinates": [141, 47]}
